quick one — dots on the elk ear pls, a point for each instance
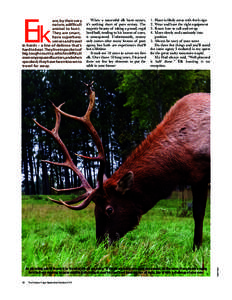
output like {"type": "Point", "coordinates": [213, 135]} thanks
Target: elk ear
{"type": "Point", "coordinates": [125, 183]}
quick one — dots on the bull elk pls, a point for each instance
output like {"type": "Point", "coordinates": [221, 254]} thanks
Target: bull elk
{"type": "Point", "coordinates": [176, 152]}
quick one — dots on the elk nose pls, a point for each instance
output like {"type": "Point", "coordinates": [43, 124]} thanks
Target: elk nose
{"type": "Point", "coordinates": [117, 236]}
{"type": "Point", "coordinates": [113, 238]}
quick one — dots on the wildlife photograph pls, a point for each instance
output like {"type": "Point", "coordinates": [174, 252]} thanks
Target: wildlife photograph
{"type": "Point", "coordinates": [115, 173]}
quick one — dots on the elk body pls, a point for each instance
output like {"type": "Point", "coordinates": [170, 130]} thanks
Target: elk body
{"type": "Point", "coordinates": [176, 152]}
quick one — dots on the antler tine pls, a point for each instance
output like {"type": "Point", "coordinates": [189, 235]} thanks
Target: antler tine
{"type": "Point", "coordinates": [76, 200]}
{"type": "Point", "coordinates": [83, 205]}
{"type": "Point", "coordinates": [68, 189]}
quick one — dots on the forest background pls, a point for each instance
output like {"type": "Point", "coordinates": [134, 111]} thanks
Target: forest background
{"type": "Point", "coordinates": [129, 104]}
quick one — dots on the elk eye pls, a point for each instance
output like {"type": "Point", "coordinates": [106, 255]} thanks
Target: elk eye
{"type": "Point", "coordinates": [109, 210]}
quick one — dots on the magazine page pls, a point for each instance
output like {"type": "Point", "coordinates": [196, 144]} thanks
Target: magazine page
{"type": "Point", "coordinates": [118, 153]}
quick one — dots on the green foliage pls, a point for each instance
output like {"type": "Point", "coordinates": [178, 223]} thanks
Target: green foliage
{"type": "Point", "coordinates": [151, 93]}
{"type": "Point", "coordinates": [57, 241]}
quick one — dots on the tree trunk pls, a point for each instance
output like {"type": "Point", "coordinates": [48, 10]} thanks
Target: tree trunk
{"type": "Point", "coordinates": [67, 180]}
{"type": "Point", "coordinates": [26, 182]}
{"type": "Point", "coordinates": [45, 181]}
{"type": "Point", "coordinates": [31, 172]}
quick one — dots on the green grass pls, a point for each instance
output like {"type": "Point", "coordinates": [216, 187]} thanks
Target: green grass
{"type": "Point", "coordinates": [57, 241]}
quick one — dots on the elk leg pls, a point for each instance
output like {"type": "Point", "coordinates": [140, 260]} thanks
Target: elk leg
{"type": "Point", "coordinates": [199, 191]}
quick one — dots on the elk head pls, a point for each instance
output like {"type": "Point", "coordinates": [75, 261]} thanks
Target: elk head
{"type": "Point", "coordinates": [116, 211]}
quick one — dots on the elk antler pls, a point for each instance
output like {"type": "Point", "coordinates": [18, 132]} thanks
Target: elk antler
{"type": "Point", "coordinates": [87, 196]}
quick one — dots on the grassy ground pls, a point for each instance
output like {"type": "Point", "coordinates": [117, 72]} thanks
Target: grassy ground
{"type": "Point", "coordinates": [57, 241]}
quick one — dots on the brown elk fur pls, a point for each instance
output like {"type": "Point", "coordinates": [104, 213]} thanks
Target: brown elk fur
{"type": "Point", "coordinates": [176, 152]}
